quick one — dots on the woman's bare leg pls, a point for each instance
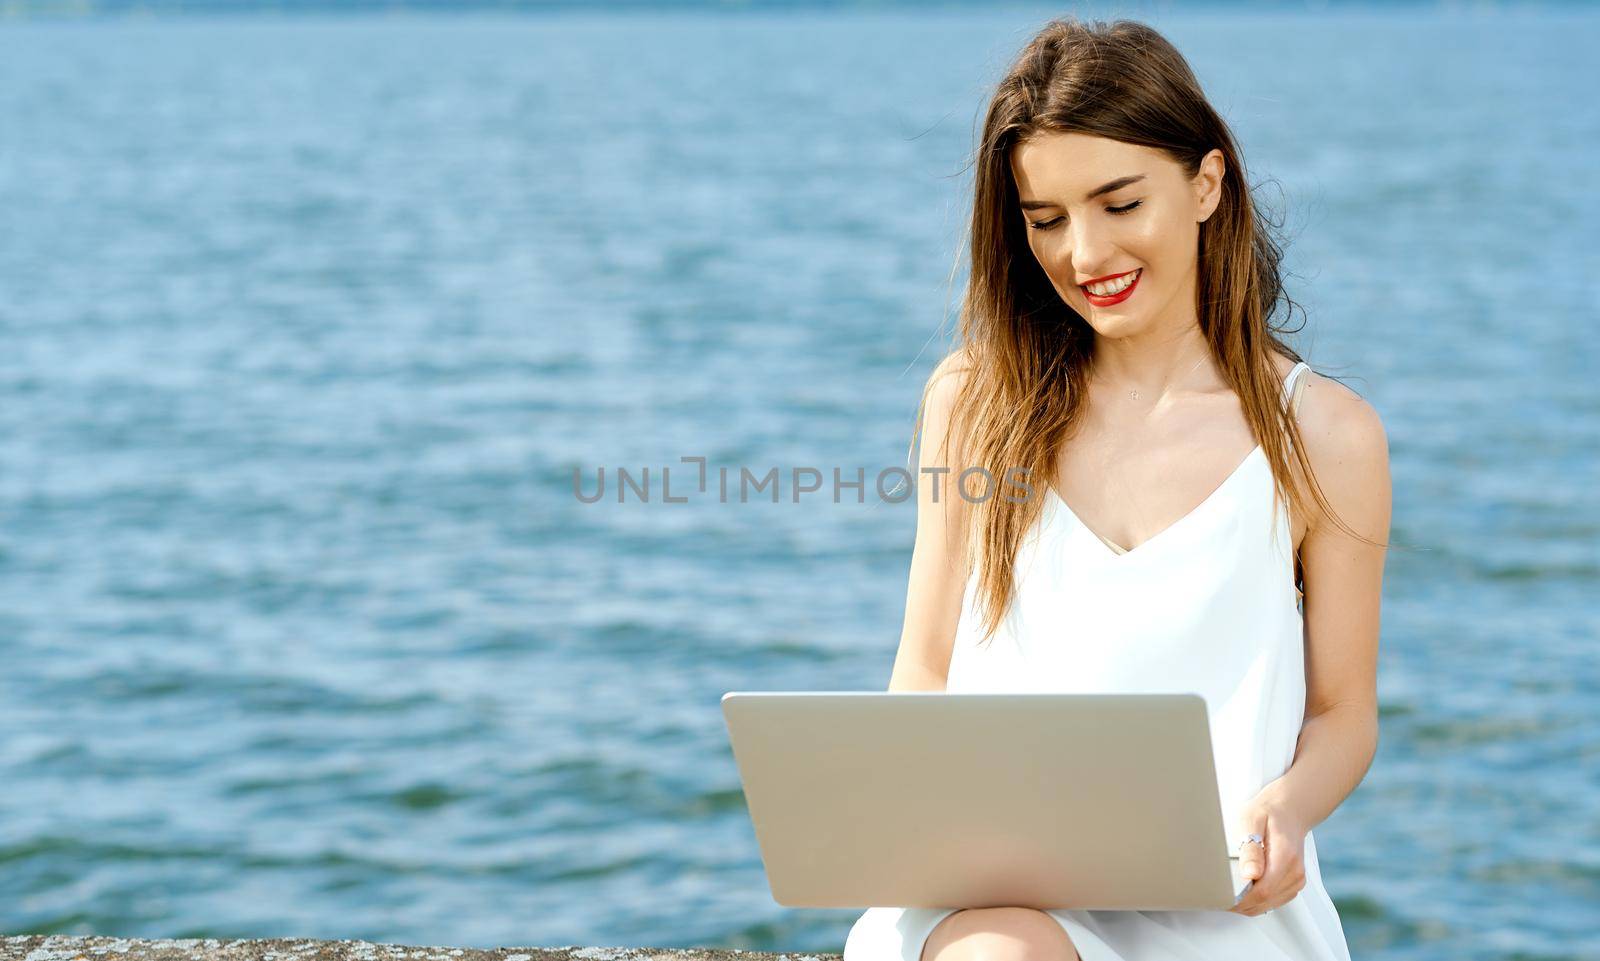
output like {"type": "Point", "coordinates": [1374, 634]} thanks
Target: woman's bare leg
{"type": "Point", "coordinates": [999, 934]}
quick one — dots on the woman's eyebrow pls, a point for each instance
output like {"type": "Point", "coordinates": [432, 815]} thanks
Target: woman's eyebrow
{"type": "Point", "coordinates": [1104, 188]}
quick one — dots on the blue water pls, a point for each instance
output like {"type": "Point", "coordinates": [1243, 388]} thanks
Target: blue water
{"type": "Point", "coordinates": [307, 322]}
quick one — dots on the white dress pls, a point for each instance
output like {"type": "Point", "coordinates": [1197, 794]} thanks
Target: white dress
{"type": "Point", "coordinates": [1207, 605]}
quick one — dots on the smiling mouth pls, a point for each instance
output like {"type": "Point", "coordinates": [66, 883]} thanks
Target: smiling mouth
{"type": "Point", "coordinates": [1130, 280]}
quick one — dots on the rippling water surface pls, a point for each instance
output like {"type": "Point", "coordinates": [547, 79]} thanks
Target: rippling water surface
{"type": "Point", "coordinates": [307, 321]}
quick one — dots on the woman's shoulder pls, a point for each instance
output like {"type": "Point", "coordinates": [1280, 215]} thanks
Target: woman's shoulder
{"type": "Point", "coordinates": [957, 362]}
{"type": "Point", "coordinates": [1345, 439]}
{"type": "Point", "coordinates": [948, 376]}
{"type": "Point", "coordinates": [1332, 412]}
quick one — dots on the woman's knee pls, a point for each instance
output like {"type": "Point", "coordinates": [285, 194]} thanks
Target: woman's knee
{"type": "Point", "coordinates": [999, 934]}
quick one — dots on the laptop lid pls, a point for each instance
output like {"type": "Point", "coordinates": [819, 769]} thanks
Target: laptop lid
{"type": "Point", "coordinates": [935, 799]}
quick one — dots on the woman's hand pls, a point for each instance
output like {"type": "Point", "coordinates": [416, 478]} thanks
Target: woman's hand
{"type": "Point", "coordinates": [1280, 872]}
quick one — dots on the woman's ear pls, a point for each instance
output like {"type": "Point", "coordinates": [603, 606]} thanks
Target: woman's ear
{"type": "Point", "coordinates": [1208, 183]}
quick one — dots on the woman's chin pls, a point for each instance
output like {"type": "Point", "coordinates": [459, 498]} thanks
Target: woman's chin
{"type": "Point", "coordinates": [1115, 326]}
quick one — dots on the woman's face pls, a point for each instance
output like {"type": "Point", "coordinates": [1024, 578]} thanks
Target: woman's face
{"type": "Point", "coordinates": [1145, 227]}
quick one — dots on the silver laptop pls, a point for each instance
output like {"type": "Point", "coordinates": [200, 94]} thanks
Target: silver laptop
{"type": "Point", "coordinates": [935, 799]}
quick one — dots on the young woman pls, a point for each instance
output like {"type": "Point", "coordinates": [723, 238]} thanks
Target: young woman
{"type": "Point", "coordinates": [1200, 512]}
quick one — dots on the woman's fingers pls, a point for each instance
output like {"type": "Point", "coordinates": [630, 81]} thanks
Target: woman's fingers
{"type": "Point", "coordinates": [1255, 897]}
{"type": "Point", "coordinates": [1279, 872]}
{"type": "Point", "coordinates": [1277, 868]}
{"type": "Point", "coordinates": [1253, 865]}
{"type": "Point", "coordinates": [1252, 861]}
{"type": "Point", "coordinates": [1284, 863]}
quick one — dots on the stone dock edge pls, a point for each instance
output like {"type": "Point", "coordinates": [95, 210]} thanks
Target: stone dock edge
{"type": "Point", "coordinates": [61, 947]}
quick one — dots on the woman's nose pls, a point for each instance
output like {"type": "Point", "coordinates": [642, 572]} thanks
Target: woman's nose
{"type": "Point", "coordinates": [1088, 253]}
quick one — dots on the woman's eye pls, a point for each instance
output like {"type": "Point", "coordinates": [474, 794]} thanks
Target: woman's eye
{"type": "Point", "coordinates": [1047, 224]}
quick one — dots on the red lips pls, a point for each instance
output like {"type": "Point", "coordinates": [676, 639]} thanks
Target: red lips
{"type": "Point", "coordinates": [1118, 297]}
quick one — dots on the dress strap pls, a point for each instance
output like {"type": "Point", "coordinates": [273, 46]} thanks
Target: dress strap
{"type": "Point", "coordinates": [1298, 375]}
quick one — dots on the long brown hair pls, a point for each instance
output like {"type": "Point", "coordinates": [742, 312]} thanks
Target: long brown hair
{"type": "Point", "coordinates": [1026, 352]}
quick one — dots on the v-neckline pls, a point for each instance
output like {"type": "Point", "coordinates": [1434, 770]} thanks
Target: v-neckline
{"type": "Point", "coordinates": [1139, 547]}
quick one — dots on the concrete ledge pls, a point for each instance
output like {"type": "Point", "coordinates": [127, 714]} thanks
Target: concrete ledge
{"type": "Point", "coordinates": [60, 947]}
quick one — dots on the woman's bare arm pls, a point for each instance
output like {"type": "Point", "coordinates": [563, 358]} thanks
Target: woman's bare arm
{"type": "Point", "coordinates": [1348, 449]}
{"type": "Point", "coordinates": [936, 583]}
